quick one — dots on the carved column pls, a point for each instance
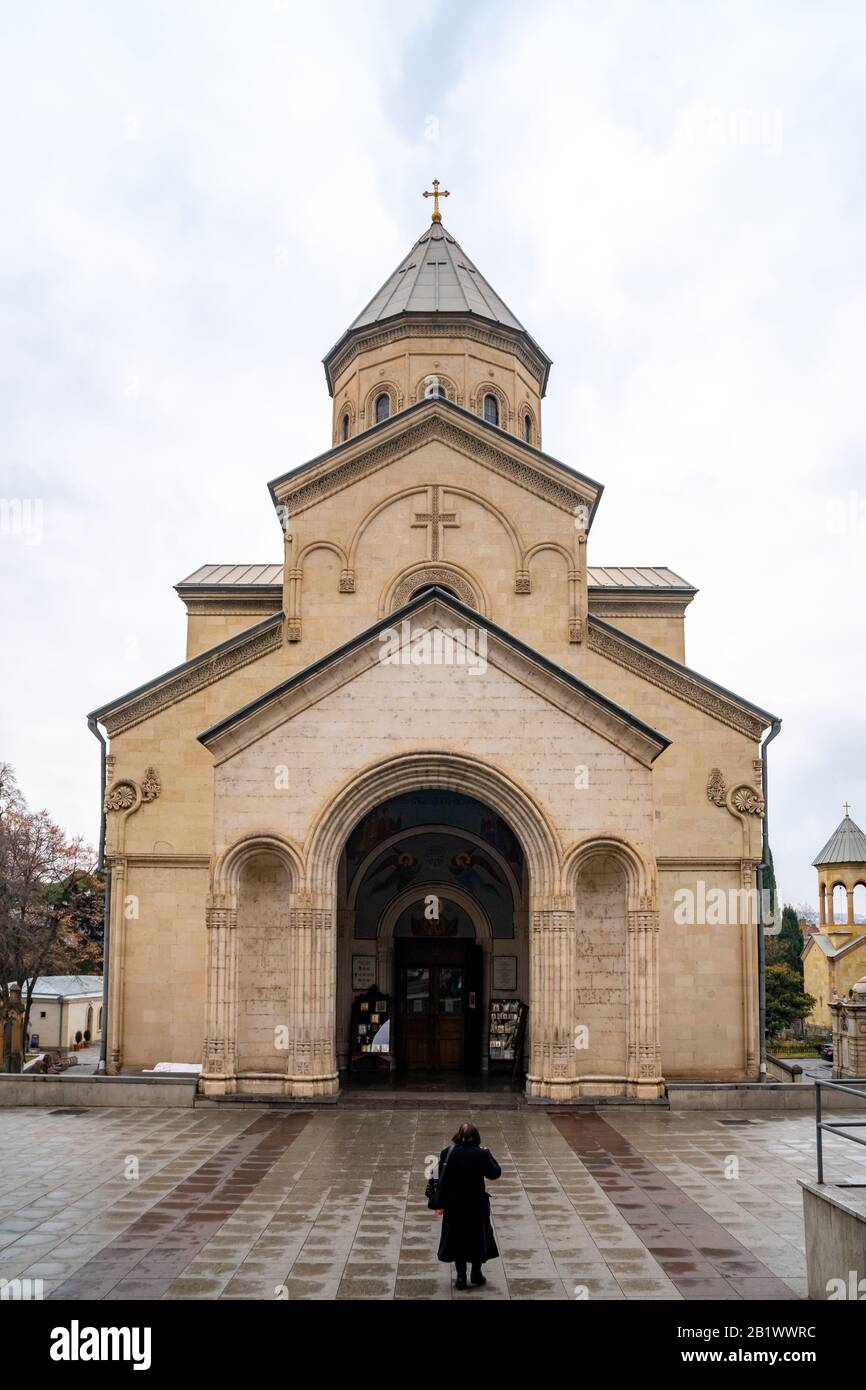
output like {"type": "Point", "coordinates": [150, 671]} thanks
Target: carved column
{"type": "Point", "coordinates": [293, 612]}
{"type": "Point", "coordinates": [644, 1062]}
{"type": "Point", "coordinates": [312, 1062]}
{"type": "Point", "coordinates": [220, 1050]}
{"type": "Point", "coordinates": [117, 966]}
{"type": "Point", "coordinates": [345, 938]}
{"type": "Point", "coordinates": [751, 924]}
{"type": "Point", "coordinates": [552, 976]}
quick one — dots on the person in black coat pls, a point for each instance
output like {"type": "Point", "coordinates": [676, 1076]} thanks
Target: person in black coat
{"type": "Point", "coordinates": [467, 1235]}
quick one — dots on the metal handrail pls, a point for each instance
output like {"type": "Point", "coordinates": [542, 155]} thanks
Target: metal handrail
{"type": "Point", "coordinates": [821, 1125]}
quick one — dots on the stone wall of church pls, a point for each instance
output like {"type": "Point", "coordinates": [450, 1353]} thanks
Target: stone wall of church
{"type": "Point", "coordinates": [162, 957]}
{"type": "Point", "coordinates": [707, 976]}
{"type": "Point", "coordinates": [263, 966]}
{"type": "Point", "coordinates": [601, 983]}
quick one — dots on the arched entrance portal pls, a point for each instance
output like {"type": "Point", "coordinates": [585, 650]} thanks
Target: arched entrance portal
{"type": "Point", "coordinates": [432, 909]}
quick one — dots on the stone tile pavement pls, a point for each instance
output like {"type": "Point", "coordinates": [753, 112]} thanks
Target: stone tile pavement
{"type": "Point", "coordinates": [256, 1203]}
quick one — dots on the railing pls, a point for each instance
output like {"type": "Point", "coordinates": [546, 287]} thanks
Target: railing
{"type": "Point", "coordinates": [821, 1124]}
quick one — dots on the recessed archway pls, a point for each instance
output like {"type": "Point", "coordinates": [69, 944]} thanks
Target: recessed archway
{"type": "Point", "coordinates": [432, 911]}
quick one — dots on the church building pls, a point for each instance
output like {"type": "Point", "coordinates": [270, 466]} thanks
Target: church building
{"type": "Point", "coordinates": [432, 792]}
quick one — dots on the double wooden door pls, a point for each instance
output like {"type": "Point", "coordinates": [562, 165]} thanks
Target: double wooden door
{"type": "Point", "coordinates": [438, 1004]}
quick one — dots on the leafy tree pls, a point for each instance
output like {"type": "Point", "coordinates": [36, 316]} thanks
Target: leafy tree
{"type": "Point", "coordinates": [786, 998]}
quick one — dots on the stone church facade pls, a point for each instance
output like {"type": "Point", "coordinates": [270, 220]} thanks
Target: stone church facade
{"type": "Point", "coordinates": [434, 698]}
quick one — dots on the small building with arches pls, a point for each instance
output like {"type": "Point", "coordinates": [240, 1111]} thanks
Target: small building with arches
{"type": "Point", "coordinates": [834, 957]}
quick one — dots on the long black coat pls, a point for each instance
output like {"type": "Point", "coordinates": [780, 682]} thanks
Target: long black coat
{"type": "Point", "coordinates": [467, 1235]}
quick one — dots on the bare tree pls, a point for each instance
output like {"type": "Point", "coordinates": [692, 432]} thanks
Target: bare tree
{"type": "Point", "coordinates": [42, 900]}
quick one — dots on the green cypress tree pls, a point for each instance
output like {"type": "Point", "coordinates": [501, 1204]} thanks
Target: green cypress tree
{"type": "Point", "coordinates": [791, 940]}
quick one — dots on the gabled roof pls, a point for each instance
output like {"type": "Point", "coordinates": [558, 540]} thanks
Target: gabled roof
{"type": "Point", "coordinates": [677, 678]}
{"type": "Point", "coordinates": [440, 420]}
{"type": "Point", "coordinates": [553, 682]}
{"type": "Point", "coordinates": [847, 845]}
{"type": "Point", "coordinates": [190, 676]}
{"type": "Point", "coordinates": [823, 943]}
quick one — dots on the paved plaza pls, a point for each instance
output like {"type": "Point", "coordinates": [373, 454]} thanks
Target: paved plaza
{"type": "Point", "coordinates": [246, 1202]}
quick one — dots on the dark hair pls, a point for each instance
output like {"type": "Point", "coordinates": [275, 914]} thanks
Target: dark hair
{"type": "Point", "coordinates": [467, 1134]}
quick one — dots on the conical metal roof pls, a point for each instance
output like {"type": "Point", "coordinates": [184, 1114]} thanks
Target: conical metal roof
{"type": "Point", "coordinates": [437, 277]}
{"type": "Point", "coordinates": [847, 845]}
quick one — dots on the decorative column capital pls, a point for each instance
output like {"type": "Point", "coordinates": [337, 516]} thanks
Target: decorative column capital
{"type": "Point", "coordinates": [643, 919]}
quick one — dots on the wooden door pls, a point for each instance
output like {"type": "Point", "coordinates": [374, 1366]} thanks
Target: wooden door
{"type": "Point", "coordinates": [432, 1002]}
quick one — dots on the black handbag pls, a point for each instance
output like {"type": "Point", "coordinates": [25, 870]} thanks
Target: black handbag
{"type": "Point", "coordinates": [431, 1191]}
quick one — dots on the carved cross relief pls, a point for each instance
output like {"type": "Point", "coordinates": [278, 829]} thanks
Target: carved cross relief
{"type": "Point", "coordinates": [435, 522]}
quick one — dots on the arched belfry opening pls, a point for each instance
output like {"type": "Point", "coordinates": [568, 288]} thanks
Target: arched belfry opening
{"type": "Point", "coordinates": [432, 919]}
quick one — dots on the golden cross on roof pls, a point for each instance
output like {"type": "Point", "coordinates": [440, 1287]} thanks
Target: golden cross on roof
{"type": "Point", "coordinates": [847, 809]}
{"type": "Point", "coordinates": [436, 195]}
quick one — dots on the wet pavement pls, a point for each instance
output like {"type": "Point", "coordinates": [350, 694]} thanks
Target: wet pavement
{"type": "Point", "coordinates": [248, 1202]}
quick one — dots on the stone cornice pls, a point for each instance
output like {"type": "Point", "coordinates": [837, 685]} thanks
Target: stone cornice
{"type": "Point", "coordinates": [671, 676]}
{"type": "Point", "coordinates": [437, 325]}
{"type": "Point", "coordinates": [462, 432]}
{"type": "Point", "coordinates": [212, 665]}
{"type": "Point", "coordinates": [618, 606]}
{"type": "Point", "coordinates": [221, 604]}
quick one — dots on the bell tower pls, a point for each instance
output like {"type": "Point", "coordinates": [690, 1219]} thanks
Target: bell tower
{"type": "Point", "coordinates": [841, 861]}
{"type": "Point", "coordinates": [437, 328]}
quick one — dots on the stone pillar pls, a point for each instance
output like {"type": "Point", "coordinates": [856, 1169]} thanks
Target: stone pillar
{"type": "Point", "coordinates": [750, 927]}
{"type": "Point", "coordinates": [345, 939]}
{"type": "Point", "coordinates": [117, 966]}
{"type": "Point", "coordinates": [220, 1054]}
{"type": "Point", "coordinates": [551, 1010]}
{"type": "Point", "coordinates": [312, 1062]}
{"type": "Point", "coordinates": [822, 904]}
{"type": "Point", "coordinates": [850, 892]}
{"type": "Point", "coordinates": [644, 1063]}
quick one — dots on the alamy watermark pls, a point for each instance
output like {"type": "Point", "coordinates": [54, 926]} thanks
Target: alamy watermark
{"type": "Point", "coordinates": [718, 907]}
{"type": "Point", "coordinates": [448, 646]}
{"type": "Point", "coordinates": [717, 127]}
{"type": "Point", "coordinates": [22, 518]}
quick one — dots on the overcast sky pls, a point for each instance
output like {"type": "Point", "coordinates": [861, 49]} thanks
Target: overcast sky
{"type": "Point", "coordinates": [197, 198]}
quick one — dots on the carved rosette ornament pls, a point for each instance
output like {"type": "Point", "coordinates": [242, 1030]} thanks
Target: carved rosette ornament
{"type": "Point", "coordinates": [747, 800]}
{"type": "Point", "coordinates": [127, 795]}
{"type": "Point", "coordinates": [522, 582]}
{"type": "Point", "coordinates": [742, 799]}
{"type": "Point", "coordinates": [347, 582]}
{"type": "Point", "coordinates": [121, 797]}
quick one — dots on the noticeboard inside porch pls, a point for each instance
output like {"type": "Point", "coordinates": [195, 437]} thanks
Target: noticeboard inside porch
{"type": "Point", "coordinates": [371, 1029]}
{"type": "Point", "coordinates": [506, 1030]}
